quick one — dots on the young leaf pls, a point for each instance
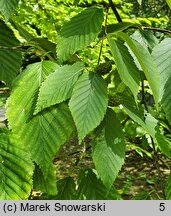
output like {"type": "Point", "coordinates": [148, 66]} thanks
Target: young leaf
{"type": "Point", "coordinates": [46, 132]}
{"type": "Point", "coordinates": [16, 169]}
{"type": "Point", "coordinates": [10, 60]}
{"type": "Point", "coordinates": [66, 189]}
{"type": "Point", "coordinates": [45, 184]}
{"type": "Point", "coordinates": [79, 32]}
{"type": "Point", "coordinates": [58, 86]}
{"type": "Point", "coordinates": [125, 65]}
{"type": "Point", "coordinates": [147, 64]}
{"type": "Point", "coordinates": [109, 150]}
{"type": "Point", "coordinates": [162, 57]}
{"type": "Point", "coordinates": [88, 103]}
{"type": "Point", "coordinates": [91, 188]}
{"type": "Point", "coordinates": [7, 7]}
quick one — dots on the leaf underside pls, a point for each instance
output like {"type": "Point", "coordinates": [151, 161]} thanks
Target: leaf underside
{"type": "Point", "coordinates": [126, 66]}
{"type": "Point", "coordinates": [146, 62]}
{"type": "Point", "coordinates": [162, 57]}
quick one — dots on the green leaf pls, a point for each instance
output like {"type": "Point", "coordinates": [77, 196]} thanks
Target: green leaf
{"type": "Point", "coordinates": [66, 189]}
{"type": "Point", "coordinates": [88, 103]}
{"type": "Point", "coordinates": [137, 114]}
{"type": "Point", "coordinates": [168, 189]}
{"type": "Point", "coordinates": [16, 169]}
{"type": "Point", "coordinates": [44, 45]}
{"type": "Point", "coordinates": [162, 57]}
{"type": "Point", "coordinates": [10, 60]}
{"type": "Point", "coordinates": [79, 32]}
{"type": "Point", "coordinates": [152, 127]}
{"type": "Point", "coordinates": [7, 7]}
{"type": "Point", "coordinates": [169, 3]}
{"type": "Point", "coordinates": [50, 130]}
{"type": "Point", "coordinates": [59, 85]}
{"type": "Point", "coordinates": [46, 132]}
{"type": "Point", "coordinates": [109, 150]}
{"type": "Point", "coordinates": [145, 38]}
{"type": "Point", "coordinates": [45, 184]}
{"type": "Point", "coordinates": [39, 43]}
{"type": "Point", "coordinates": [146, 120]}
{"type": "Point", "coordinates": [22, 31]}
{"type": "Point", "coordinates": [25, 90]}
{"type": "Point", "coordinates": [147, 64]}
{"type": "Point", "coordinates": [91, 188]}
{"type": "Point", "coordinates": [117, 27]}
{"type": "Point", "coordinates": [163, 143]}
{"type": "Point", "coordinates": [149, 123]}
{"type": "Point", "coordinates": [125, 65]}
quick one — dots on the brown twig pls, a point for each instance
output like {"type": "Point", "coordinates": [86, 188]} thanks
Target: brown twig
{"type": "Point", "coordinates": [18, 48]}
{"type": "Point", "coordinates": [112, 5]}
{"type": "Point", "coordinates": [156, 29]}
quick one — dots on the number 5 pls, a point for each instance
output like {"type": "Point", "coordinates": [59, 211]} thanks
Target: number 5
{"type": "Point", "coordinates": [162, 206]}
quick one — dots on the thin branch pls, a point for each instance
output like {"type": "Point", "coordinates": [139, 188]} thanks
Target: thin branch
{"type": "Point", "coordinates": [104, 34]}
{"type": "Point", "coordinates": [18, 48]}
{"type": "Point", "coordinates": [25, 49]}
{"type": "Point", "coordinates": [156, 29]}
{"type": "Point", "coordinates": [112, 5]}
{"type": "Point", "coordinates": [166, 31]}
